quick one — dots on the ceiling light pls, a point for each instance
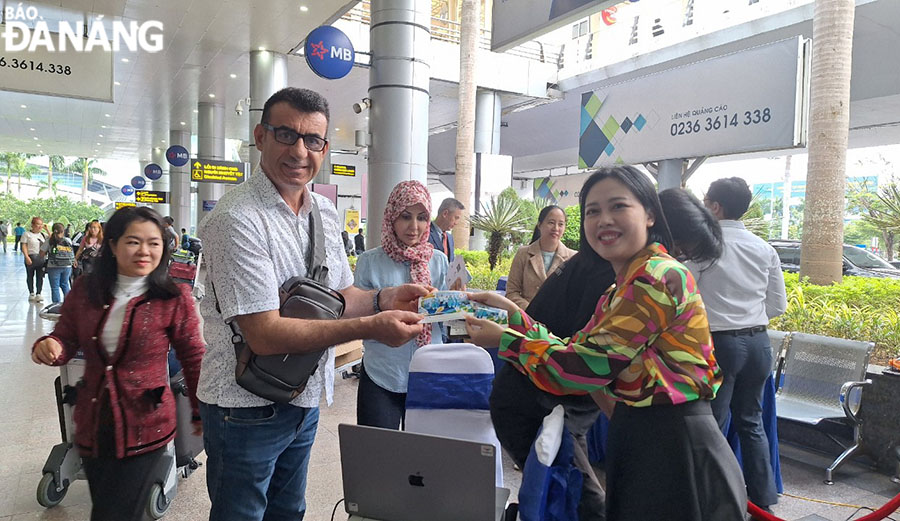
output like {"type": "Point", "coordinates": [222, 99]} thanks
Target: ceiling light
{"type": "Point", "coordinates": [35, 138]}
{"type": "Point", "coordinates": [31, 129]}
{"type": "Point", "coordinates": [102, 126]}
{"type": "Point", "coordinates": [124, 60]}
{"type": "Point", "coordinates": [304, 8]}
{"type": "Point", "coordinates": [233, 75]}
{"type": "Point", "coordinates": [116, 83]}
{"type": "Point", "coordinates": [99, 17]}
{"type": "Point", "coordinates": [98, 144]}
{"type": "Point", "coordinates": [196, 111]}
{"type": "Point", "coordinates": [100, 135]}
{"type": "Point", "coordinates": [24, 106]}
{"type": "Point", "coordinates": [337, 130]}
{"type": "Point", "coordinates": [27, 119]}
{"type": "Point", "coordinates": [106, 115]}
{"type": "Point", "coordinates": [262, 48]}
{"type": "Point", "coordinates": [162, 140]}
{"type": "Point", "coordinates": [183, 123]}
{"type": "Point", "coordinates": [211, 95]}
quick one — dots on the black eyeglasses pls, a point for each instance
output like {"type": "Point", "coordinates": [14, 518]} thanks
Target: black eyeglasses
{"type": "Point", "coordinates": [289, 136]}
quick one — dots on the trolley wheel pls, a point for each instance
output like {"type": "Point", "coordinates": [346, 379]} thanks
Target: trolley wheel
{"type": "Point", "coordinates": [158, 503]}
{"type": "Point", "coordinates": [47, 495]}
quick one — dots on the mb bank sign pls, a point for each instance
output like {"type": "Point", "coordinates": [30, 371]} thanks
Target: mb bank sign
{"type": "Point", "coordinates": [329, 52]}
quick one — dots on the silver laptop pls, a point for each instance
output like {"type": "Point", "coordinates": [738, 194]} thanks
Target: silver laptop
{"type": "Point", "coordinates": [402, 476]}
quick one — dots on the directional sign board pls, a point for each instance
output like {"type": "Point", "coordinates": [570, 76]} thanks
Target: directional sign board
{"type": "Point", "coordinates": [120, 205]}
{"type": "Point", "coordinates": [213, 171]}
{"type": "Point", "coordinates": [347, 170]}
{"type": "Point", "coordinates": [151, 197]}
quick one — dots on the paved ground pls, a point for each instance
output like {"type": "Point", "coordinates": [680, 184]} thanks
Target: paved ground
{"type": "Point", "coordinates": [29, 428]}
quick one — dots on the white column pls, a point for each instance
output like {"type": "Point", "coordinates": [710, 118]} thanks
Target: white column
{"type": "Point", "coordinates": [158, 156]}
{"type": "Point", "coordinates": [669, 174]}
{"type": "Point", "coordinates": [487, 122]}
{"type": "Point", "coordinates": [180, 183]}
{"type": "Point", "coordinates": [268, 75]}
{"type": "Point", "coordinates": [399, 37]}
{"type": "Point", "coordinates": [210, 145]}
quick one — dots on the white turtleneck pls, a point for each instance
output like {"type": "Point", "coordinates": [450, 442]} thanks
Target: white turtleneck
{"type": "Point", "coordinates": [126, 289]}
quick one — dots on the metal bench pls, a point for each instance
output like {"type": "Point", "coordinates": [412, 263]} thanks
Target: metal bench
{"type": "Point", "coordinates": [815, 379]}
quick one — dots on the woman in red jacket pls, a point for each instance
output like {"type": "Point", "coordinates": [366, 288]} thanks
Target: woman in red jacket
{"type": "Point", "coordinates": [124, 316]}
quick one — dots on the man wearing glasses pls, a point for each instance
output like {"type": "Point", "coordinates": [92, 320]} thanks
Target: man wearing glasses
{"type": "Point", "coordinates": [256, 238]}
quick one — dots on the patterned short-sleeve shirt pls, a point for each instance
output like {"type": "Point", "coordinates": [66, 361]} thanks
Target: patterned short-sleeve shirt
{"type": "Point", "coordinates": [252, 243]}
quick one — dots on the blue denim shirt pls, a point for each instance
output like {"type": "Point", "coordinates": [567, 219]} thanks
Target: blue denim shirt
{"type": "Point", "coordinates": [388, 366]}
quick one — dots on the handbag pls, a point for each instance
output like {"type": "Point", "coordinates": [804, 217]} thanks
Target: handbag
{"type": "Point", "coordinates": [281, 378]}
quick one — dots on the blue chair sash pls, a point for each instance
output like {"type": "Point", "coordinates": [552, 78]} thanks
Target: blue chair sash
{"type": "Point", "coordinates": [449, 390]}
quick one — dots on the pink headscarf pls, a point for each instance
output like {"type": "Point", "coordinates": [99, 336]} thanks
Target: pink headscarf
{"type": "Point", "coordinates": [404, 195]}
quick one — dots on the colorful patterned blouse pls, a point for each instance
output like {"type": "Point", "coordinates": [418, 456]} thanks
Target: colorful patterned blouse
{"type": "Point", "coordinates": [648, 342]}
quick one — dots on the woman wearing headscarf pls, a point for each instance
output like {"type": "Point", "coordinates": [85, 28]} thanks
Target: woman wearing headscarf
{"type": "Point", "coordinates": [404, 256]}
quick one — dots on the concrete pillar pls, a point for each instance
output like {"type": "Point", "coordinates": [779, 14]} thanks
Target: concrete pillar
{"type": "Point", "coordinates": [158, 156]}
{"type": "Point", "coordinates": [324, 175]}
{"type": "Point", "coordinates": [399, 37]}
{"type": "Point", "coordinates": [180, 183]}
{"type": "Point", "coordinates": [669, 174]}
{"type": "Point", "coordinates": [268, 75]}
{"type": "Point", "coordinates": [210, 145]}
{"type": "Point", "coordinates": [487, 122]}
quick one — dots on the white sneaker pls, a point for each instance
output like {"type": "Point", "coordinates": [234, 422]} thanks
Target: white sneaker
{"type": "Point", "coordinates": [38, 298]}
{"type": "Point", "coordinates": [31, 297]}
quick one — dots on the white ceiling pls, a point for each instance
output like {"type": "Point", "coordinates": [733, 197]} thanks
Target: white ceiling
{"type": "Point", "coordinates": [205, 42]}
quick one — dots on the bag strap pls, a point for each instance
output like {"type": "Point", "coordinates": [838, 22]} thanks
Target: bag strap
{"type": "Point", "coordinates": [315, 263]}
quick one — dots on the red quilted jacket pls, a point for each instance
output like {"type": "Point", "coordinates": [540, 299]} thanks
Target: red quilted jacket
{"type": "Point", "coordinates": [136, 375]}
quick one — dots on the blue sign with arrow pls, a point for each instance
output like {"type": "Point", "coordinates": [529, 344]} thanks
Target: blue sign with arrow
{"type": "Point", "coordinates": [177, 155]}
{"type": "Point", "coordinates": [329, 52]}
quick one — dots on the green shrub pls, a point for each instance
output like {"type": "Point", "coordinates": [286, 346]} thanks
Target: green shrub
{"type": "Point", "coordinates": [485, 278]}
{"type": "Point", "coordinates": [860, 308]}
{"type": "Point", "coordinates": [473, 258]}
{"type": "Point", "coordinates": [571, 237]}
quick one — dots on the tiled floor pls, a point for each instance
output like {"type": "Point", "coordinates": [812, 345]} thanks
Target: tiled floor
{"type": "Point", "coordinates": [29, 428]}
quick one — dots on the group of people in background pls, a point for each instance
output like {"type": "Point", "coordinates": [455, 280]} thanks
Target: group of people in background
{"type": "Point", "coordinates": [658, 321]}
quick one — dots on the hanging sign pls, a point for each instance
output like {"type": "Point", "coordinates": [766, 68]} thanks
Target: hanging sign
{"type": "Point", "coordinates": [151, 197]}
{"type": "Point", "coordinates": [213, 171]}
{"type": "Point", "coordinates": [347, 170]}
{"type": "Point", "coordinates": [127, 190]}
{"type": "Point", "coordinates": [329, 52]}
{"type": "Point", "coordinates": [138, 182]}
{"type": "Point", "coordinates": [153, 171]}
{"type": "Point", "coordinates": [177, 155]}
{"type": "Point", "coordinates": [123, 204]}
{"type": "Point", "coordinates": [351, 221]}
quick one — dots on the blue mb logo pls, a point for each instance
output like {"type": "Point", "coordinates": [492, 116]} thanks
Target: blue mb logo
{"type": "Point", "coordinates": [329, 52]}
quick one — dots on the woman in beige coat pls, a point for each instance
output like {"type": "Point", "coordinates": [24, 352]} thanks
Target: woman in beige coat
{"type": "Point", "coordinates": [534, 262]}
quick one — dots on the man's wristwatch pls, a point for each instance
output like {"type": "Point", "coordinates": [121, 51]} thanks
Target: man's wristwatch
{"type": "Point", "coordinates": [375, 305]}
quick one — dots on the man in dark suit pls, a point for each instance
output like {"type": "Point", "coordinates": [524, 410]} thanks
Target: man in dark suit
{"type": "Point", "coordinates": [448, 215]}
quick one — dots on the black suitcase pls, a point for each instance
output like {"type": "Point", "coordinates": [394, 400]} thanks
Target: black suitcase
{"type": "Point", "coordinates": [187, 445]}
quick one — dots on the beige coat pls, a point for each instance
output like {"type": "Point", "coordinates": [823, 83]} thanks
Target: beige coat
{"type": "Point", "coordinates": [527, 272]}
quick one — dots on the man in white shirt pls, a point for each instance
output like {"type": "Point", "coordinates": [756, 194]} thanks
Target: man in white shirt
{"type": "Point", "coordinates": [742, 290]}
{"type": "Point", "coordinates": [256, 238]}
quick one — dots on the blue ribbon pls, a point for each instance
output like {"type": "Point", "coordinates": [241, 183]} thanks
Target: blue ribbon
{"type": "Point", "coordinates": [449, 390]}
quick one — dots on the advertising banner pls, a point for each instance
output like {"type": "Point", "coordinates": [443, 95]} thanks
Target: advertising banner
{"type": "Point", "coordinates": [351, 221]}
{"type": "Point", "coordinates": [749, 101]}
{"type": "Point", "coordinates": [518, 21]}
{"type": "Point", "coordinates": [561, 190]}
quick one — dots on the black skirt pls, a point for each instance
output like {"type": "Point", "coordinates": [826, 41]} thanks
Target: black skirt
{"type": "Point", "coordinates": [671, 463]}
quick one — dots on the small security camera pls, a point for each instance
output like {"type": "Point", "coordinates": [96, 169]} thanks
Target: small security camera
{"type": "Point", "coordinates": [362, 105]}
{"type": "Point", "coordinates": [239, 108]}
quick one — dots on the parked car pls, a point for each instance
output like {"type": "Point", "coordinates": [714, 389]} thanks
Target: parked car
{"type": "Point", "coordinates": [857, 261]}
{"type": "Point", "coordinates": [895, 263]}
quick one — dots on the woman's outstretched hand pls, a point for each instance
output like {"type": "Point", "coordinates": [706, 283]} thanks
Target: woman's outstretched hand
{"type": "Point", "coordinates": [484, 333]}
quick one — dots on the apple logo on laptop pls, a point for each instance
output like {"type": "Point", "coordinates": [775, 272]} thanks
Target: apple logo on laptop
{"type": "Point", "coordinates": [417, 480]}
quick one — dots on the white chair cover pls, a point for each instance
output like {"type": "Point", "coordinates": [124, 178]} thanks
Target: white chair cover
{"type": "Point", "coordinates": [449, 387]}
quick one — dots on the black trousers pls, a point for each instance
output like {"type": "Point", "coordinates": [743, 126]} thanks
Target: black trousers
{"type": "Point", "coordinates": [34, 274]}
{"type": "Point", "coordinates": [120, 488]}
{"type": "Point", "coordinates": [378, 407]}
{"type": "Point", "coordinates": [671, 462]}
{"type": "Point", "coordinates": [517, 410]}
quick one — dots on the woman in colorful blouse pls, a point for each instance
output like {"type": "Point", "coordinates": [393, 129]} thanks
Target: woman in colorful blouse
{"type": "Point", "coordinates": [648, 349]}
